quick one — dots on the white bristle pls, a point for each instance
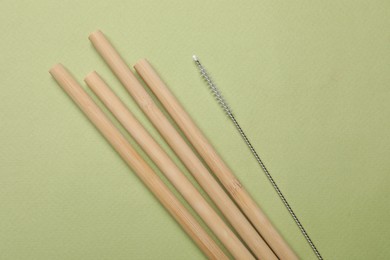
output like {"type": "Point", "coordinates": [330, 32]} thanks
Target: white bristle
{"type": "Point", "coordinates": [215, 91]}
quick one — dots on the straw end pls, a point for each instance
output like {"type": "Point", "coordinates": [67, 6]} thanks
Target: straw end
{"type": "Point", "coordinates": [55, 68]}
{"type": "Point", "coordinates": [195, 58]}
{"type": "Point", "coordinates": [92, 35]}
{"type": "Point", "coordinates": [92, 74]}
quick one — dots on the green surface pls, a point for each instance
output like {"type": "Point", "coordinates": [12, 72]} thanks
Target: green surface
{"type": "Point", "coordinates": [307, 80]}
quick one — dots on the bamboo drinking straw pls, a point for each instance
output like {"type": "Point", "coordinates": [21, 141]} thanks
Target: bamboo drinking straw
{"type": "Point", "coordinates": [183, 151]}
{"type": "Point", "coordinates": [167, 166]}
{"type": "Point", "coordinates": [214, 161]}
{"type": "Point", "coordinates": [134, 160]}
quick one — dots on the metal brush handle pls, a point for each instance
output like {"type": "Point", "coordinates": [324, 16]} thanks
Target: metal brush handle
{"type": "Point", "coordinates": [228, 111]}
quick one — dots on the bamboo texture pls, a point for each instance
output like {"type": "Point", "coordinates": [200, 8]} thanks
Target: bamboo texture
{"type": "Point", "coordinates": [134, 161]}
{"type": "Point", "coordinates": [246, 231]}
{"type": "Point", "coordinates": [167, 166]}
{"type": "Point", "coordinates": [214, 161]}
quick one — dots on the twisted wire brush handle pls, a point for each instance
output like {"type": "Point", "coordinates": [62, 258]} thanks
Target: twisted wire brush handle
{"type": "Point", "coordinates": [222, 102]}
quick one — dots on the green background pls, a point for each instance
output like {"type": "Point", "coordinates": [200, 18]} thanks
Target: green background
{"type": "Point", "coordinates": [307, 80]}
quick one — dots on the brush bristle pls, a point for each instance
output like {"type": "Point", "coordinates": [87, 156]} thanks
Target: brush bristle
{"type": "Point", "coordinates": [216, 93]}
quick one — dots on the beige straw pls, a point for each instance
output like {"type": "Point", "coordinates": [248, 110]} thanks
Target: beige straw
{"type": "Point", "coordinates": [167, 166]}
{"type": "Point", "coordinates": [181, 148]}
{"type": "Point", "coordinates": [214, 161]}
{"type": "Point", "coordinates": [133, 159]}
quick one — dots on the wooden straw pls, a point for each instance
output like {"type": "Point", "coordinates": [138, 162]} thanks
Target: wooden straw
{"type": "Point", "coordinates": [181, 148]}
{"type": "Point", "coordinates": [134, 160]}
{"type": "Point", "coordinates": [214, 161]}
{"type": "Point", "coordinates": [167, 166]}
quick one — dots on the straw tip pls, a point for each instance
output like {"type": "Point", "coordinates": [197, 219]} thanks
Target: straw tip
{"type": "Point", "coordinates": [55, 68]}
{"type": "Point", "coordinates": [95, 33]}
{"type": "Point", "coordinates": [140, 62]}
{"type": "Point", "coordinates": [195, 58]}
{"type": "Point", "coordinates": [90, 75]}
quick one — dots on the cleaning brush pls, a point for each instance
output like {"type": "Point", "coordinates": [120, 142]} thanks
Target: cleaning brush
{"type": "Point", "coordinates": [217, 93]}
